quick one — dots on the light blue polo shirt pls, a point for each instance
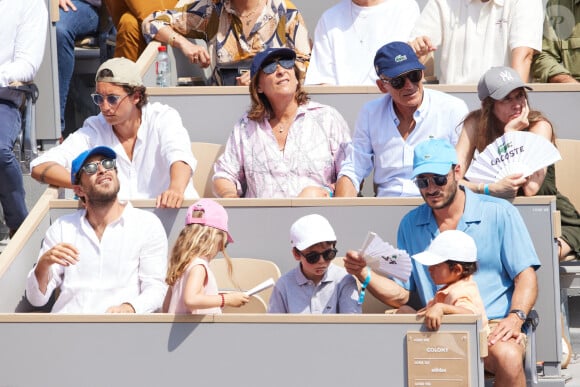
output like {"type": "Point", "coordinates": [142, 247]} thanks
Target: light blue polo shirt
{"type": "Point", "coordinates": [504, 248]}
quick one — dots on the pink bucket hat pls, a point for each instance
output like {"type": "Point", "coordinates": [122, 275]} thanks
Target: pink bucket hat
{"type": "Point", "coordinates": [214, 215]}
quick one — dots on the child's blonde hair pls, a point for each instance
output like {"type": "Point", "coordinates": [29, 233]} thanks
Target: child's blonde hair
{"type": "Point", "coordinates": [196, 240]}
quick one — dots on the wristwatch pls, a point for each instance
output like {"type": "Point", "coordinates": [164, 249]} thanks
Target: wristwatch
{"type": "Point", "coordinates": [520, 313]}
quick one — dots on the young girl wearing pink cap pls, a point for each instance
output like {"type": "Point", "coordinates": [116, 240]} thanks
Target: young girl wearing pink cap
{"type": "Point", "coordinates": [192, 285]}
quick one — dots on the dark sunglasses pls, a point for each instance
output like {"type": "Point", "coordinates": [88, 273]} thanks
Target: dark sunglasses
{"type": "Point", "coordinates": [271, 67]}
{"type": "Point", "coordinates": [314, 257]}
{"type": "Point", "coordinates": [111, 99]}
{"type": "Point", "coordinates": [398, 82]}
{"type": "Point", "coordinates": [423, 182]}
{"type": "Point", "coordinates": [92, 168]}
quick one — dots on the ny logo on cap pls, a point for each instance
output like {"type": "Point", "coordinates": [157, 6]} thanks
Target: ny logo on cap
{"type": "Point", "coordinates": [400, 58]}
{"type": "Point", "coordinates": [506, 76]}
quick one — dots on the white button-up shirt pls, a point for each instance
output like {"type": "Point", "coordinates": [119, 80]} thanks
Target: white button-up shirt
{"type": "Point", "coordinates": [23, 26]}
{"type": "Point", "coordinates": [161, 141]}
{"type": "Point", "coordinates": [473, 36]}
{"type": "Point", "coordinates": [128, 264]}
{"type": "Point", "coordinates": [377, 140]}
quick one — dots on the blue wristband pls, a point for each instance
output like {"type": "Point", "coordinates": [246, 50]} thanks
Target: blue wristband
{"type": "Point", "coordinates": [486, 189]}
{"type": "Point", "coordinates": [363, 287]}
{"type": "Point", "coordinates": [330, 192]}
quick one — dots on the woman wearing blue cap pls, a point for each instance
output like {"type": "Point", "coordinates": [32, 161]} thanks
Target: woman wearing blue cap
{"type": "Point", "coordinates": [285, 145]}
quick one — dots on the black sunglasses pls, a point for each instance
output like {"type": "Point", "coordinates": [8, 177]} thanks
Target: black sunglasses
{"type": "Point", "coordinates": [92, 168]}
{"type": "Point", "coordinates": [314, 257]}
{"type": "Point", "coordinates": [398, 82]}
{"type": "Point", "coordinates": [423, 182]}
{"type": "Point", "coordinates": [271, 67]}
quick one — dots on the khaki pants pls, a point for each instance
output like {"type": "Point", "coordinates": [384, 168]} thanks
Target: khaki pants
{"type": "Point", "coordinates": [493, 323]}
{"type": "Point", "coordinates": [127, 16]}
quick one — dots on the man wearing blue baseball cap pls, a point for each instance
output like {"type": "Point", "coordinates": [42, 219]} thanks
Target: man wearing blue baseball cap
{"type": "Point", "coordinates": [390, 127]}
{"type": "Point", "coordinates": [507, 260]}
{"type": "Point", "coordinates": [108, 257]}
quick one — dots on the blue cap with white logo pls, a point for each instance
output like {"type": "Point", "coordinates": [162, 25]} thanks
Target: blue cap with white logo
{"type": "Point", "coordinates": [434, 156]}
{"type": "Point", "coordinates": [396, 58]}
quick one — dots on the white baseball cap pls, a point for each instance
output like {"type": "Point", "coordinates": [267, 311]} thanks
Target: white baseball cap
{"type": "Point", "coordinates": [452, 245]}
{"type": "Point", "coordinates": [310, 230]}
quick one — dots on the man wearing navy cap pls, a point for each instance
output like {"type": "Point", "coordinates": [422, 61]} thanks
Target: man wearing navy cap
{"type": "Point", "coordinates": [106, 258]}
{"type": "Point", "coordinates": [507, 259]}
{"type": "Point", "coordinates": [388, 128]}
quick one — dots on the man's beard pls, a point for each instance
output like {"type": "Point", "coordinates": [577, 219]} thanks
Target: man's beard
{"type": "Point", "coordinates": [98, 197]}
{"type": "Point", "coordinates": [448, 201]}
{"type": "Point", "coordinates": [451, 191]}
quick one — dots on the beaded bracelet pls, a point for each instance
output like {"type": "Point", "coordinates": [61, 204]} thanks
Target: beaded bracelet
{"type": "Point", "coordinates": [223, 300]}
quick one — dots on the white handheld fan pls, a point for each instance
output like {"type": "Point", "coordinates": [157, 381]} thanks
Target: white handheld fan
{"type": "Point", "coordinates": [386, 259]}
{"type": "Point", "coordinates": [514, 152]}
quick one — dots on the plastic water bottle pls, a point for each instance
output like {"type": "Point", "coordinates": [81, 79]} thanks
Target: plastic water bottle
{"type": "Point", "coordinates": [162, 68]}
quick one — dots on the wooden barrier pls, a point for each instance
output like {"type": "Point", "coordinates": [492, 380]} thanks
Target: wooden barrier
{"type": "Point", "coordinates": [237, 350]}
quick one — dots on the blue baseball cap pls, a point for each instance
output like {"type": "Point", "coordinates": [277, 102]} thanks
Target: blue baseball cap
{"type": "Point", "coordinates": [78, 163]}
{"type": "Point", "coordinates": [434, 156]}
{"type": "Point", "coordinates": [396, 58]}
{"type": "Point", "coordinates": [269, 53]}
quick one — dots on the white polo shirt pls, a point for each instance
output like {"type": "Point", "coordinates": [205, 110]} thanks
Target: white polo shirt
{"type": "Point", "coordinates": [471, 36]}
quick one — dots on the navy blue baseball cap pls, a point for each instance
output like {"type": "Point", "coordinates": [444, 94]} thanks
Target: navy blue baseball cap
{"type": "Point", "coordinates": [396, 58]}
{"type": "Point", "coordinates": [270, 53]}
{"type": "Point", "coordinates": [78, 163]}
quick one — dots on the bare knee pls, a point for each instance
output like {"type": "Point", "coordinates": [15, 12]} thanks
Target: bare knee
{"type": "Point", "coordinates": [505, 361]}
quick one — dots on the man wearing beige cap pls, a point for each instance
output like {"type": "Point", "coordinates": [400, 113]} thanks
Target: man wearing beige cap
{"type": "Point", "coordinates": [154, 158]}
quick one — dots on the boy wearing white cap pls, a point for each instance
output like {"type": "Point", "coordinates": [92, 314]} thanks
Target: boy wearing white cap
{"type": "Point", "coordinates": [452, 260]}
{"type": "Point", "coordinates": [315, 285]}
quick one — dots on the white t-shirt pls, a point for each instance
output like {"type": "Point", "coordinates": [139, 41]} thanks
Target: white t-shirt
{"type": "Point", "coordinates": [161, 141]}
{"type": "Point", "coordinates": [348, 36]}
{"type": "Point", "coordinates": [472, 36]}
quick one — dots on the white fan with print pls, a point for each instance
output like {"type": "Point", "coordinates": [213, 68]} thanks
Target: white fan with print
{"type": "Point", "coordinates": [386, 259]}
{"type": "Point", "coordinates": [514, 152]}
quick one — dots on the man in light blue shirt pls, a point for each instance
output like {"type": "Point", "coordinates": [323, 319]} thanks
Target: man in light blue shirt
{"type": "Point", "coordinates": [507, 260]}
{"type": "Point", "coordinates": [388, 129]}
